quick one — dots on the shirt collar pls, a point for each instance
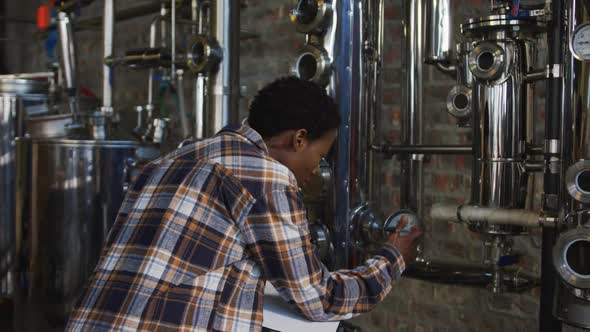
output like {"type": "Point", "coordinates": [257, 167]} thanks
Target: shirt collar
{"type": "Point", "coordinates": [249, 133]}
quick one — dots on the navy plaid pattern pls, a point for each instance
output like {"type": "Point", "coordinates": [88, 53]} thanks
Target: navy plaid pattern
{"type": "Point", "coordinates": [199, 234]}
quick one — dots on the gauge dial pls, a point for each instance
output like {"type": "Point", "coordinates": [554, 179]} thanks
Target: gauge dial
{"type": "Point", "coordinates": [581, 42]}
{"type": "Point", "coordinates": [393, 220]}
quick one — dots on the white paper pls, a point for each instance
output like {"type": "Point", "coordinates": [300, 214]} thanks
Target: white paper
{"type": "Point", "coordinates": [277, 315]}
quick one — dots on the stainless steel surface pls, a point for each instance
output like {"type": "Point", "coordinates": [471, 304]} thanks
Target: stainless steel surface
{"type": "Point", "coordinates": [25, 76]}
{"type": "Point", "coordinates": [552, 146]}
{"type": "Point", "coordinates": [184, 122]}
{"type": "Point", "coordinates": [347, 58]}
{"type": "Point", "coordinates": [107, 71]}
{"type": "Point", "coordinates": [440, 29]}
{"type": "Point", "coordinates": [344, 41]}
{"type": "Point", "coordinates": [507, 25]}
{"type": "Point", "coordinates": [68, 60]}
{"type": "Point", "coordinates": [19, 86]}
{"type": "Point", "coordinates": [572, 304]}
{"type": "Point", "coordinates": [13, 115]}
{"type": "Point", "coordinates": [49, 126]}
{"type": "Point", "coordinates": [11, 125]}
{"type": "Point", "coordinates": [503, 115]}
{"type": "Point", "coordinates": [200, 105]}
{"type": "Point", "coordinates": [424, 149]}
{"type": "Point", "coordinates": [67, 50]}
{"type": "Point", "coordinates": [69, 194]}
{"type": "Point", "coordinates": [412, 185]}
{"type": "Point", "coordinates": [173, 39]}
{"type": "Point", "coordinates": [224, 88]}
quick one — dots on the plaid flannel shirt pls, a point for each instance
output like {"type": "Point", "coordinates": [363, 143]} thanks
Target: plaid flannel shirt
{"type": "Point", "coordinates": [199, 234]}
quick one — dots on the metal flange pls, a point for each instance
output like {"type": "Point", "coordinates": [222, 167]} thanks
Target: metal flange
{"type": "Point", "coordinates": [570, 257]}
{"type": "Point", "coordinates": [577, 181]}
{"type": "Point", "coordinates": [311, 16]}
{"type": "Point", "coordinates": [487, 61]}
{"type": "Point", "coordinates": [313, 64]}
{"type": "Point", "coordinates": [203, 55]}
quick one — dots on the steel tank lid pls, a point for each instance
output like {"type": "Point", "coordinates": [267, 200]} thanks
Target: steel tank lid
{"type": "Point", "coordinates": [20, 86]}
{"type": "Point", "coordinates": [503, 22]}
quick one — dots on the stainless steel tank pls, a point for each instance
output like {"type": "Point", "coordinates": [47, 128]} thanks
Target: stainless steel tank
{"type": "Point", "coordinates": [17, 97]}
{"type": "Point", "coordinates": [69, 192]}
{"type": "Point", "coordinates": [503, 52]}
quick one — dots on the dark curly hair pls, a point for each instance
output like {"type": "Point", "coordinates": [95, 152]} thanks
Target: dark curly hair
{"type": "Point", "coordinates": [293, 103]}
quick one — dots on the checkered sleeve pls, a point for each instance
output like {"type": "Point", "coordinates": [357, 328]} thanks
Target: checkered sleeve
{"type": "Point", "coordinates": [281, 243]}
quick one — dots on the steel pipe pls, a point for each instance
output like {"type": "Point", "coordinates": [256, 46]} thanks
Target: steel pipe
{"type": "Point", "coordinates": [554, 106]}
{"type": "Point", "coordinates": [107, 71]}
{"type": "Point", "coordinates": [440, 31]}
{"type": "Point", "coordinates": [67, 52]}
{"type": "Point", "coordinates": [412, 186]}
{"type": "Point", "coordinates": [424, 149]}
{"type": "Point", "coordinates": [224, 90]}
{"type": "Point", "coordinates": [469, 275]}
{"type": "Point", "coordinates": [173, 40]}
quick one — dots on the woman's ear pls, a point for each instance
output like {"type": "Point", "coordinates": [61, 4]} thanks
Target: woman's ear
{"type": "Point", "coordinates": [300, 139]}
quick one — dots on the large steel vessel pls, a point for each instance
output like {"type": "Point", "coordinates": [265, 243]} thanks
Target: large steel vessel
{"type": "Point", "coordinates": [17, 97]}
{"type": "Point", "coordinates": [69, 192]}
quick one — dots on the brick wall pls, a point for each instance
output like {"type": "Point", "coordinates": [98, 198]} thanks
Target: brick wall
{"type": "Point", "coordinates": [413, 305]}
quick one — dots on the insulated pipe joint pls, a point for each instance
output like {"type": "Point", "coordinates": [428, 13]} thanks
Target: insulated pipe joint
{"type": "Point", "coordinates": [204, 55]}
{"type": "Point", "coordinates": [459, 102]}
{"type": "Point", "coordinates": [311, 16]}
{"type": "Point", "coordinates": [570, 257]}
{"type": "Point", "coordinates": [313, 64]}
{"type": "Point", "coordinates": [577, 180]}
{"type": "Point", "coordinates": [487, 61]}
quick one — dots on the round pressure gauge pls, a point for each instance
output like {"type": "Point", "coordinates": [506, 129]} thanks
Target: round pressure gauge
{"type": "Point", "coordinates": [580, 44]}
{"type": "Point", "coordinates": [393, 220]}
